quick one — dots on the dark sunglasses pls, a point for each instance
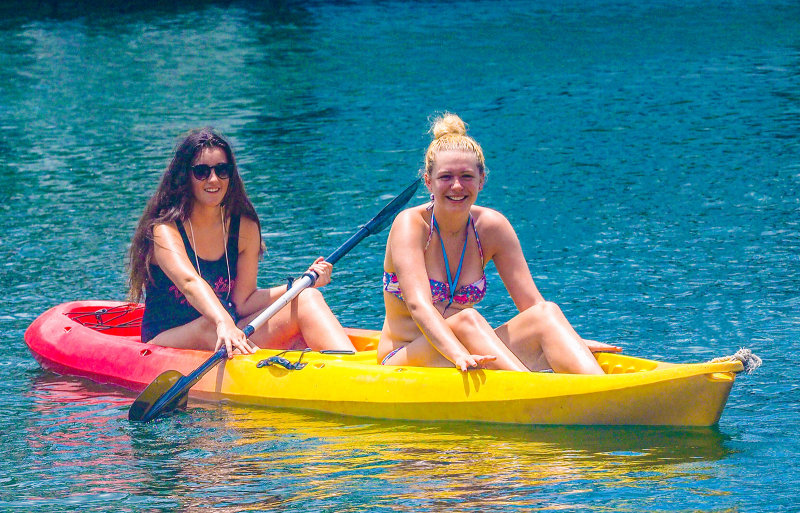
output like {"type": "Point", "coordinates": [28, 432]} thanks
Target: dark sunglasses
{"type": "Point", "coordinates": [203, 171]}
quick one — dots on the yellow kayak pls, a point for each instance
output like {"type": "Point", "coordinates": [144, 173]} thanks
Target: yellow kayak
{"type": "Point", "coordinates": [99, 340]}
{"type": "Point", "coordinates": [634, 391]}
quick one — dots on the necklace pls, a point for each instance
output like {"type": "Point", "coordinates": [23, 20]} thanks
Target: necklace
{"type": "Point", "coordinates": [225, 245]}
{"type": "Point", "coordinates": [452, 281]}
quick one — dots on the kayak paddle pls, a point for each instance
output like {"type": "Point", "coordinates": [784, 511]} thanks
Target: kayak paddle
{"type": "Point", "coordinates": [171, 388]}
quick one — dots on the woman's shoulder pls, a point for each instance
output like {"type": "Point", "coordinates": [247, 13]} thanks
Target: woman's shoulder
{"type": "Point", "coordinates": [414, 216]}
{"type": "Point", "coordinates": [496, 233]}
{"type": "Point", "coordinates": [489, 218]}
{"type": "Point", "coordinates": [410, 224]}
{"type": "Point", "coordinates": [166, 229]}
{"type": "Point", "coordinates": [246, 224]}
{"type": "Point", "coordinates": [167, 241]}
{"type": "Point", "coordinates": [249, 232]}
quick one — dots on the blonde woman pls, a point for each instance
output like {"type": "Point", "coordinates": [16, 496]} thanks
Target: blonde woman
{"type": "Point", "coordinates": [434, 275]}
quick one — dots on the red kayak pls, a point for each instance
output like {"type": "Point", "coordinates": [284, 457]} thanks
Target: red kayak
{"type": "Point", "coordinates": [100, 340]}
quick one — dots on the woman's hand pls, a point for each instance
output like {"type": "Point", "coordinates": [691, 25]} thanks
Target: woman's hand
{"type": "Point", "coordinates": [473, 361]}
{"type": "Point", "coordinates": [323, 271]}
{"type": "Point", "coordinates": [233, 339]}
{"type": "Point", "coordinates": [598, 347]}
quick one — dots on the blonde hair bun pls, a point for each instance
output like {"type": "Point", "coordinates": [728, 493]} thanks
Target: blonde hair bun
{"type": "Point", "coordinates": [450, 134]}
{"type": "Point", "coordinates": [448, 124]}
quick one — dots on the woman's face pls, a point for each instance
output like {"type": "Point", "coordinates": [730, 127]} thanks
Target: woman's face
{"type": "Point", "coordinates": [211, 191]}
{"type": "Point", "coordinates": [455, 180]}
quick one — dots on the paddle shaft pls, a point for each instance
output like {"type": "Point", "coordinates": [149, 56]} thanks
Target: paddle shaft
{"type": "Point", "coordinates": [375, 225]}
{"type": "Point", "coordinates": [306, 281]}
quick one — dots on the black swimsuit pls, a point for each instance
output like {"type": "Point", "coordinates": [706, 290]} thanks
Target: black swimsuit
{"type": "Point", "coordinates": [165, 306]}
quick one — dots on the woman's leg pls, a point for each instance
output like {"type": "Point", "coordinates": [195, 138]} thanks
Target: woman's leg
{"type": "Point", "coordinates": [474, 333]}
{"type": "Point", "coordinates": [197, 334]}
{"type": "Point", "coordinates": [542, 337]}
{"type": "Point", "coordinates": [307, 316]}
{"type": "Point", "coordinates": [478, 337]}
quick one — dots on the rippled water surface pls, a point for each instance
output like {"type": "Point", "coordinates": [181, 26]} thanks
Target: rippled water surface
{"type": "Point", "coordinates": [646, 152]}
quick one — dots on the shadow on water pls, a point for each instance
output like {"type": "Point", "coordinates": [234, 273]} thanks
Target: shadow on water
{"type": "Point", "coordinates": [72, 9]}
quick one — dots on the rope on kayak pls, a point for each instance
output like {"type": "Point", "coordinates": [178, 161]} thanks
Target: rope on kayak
{"type": "Point", "coordinates": [749, 360]}
{"type": "Point", "coordinates": [278, 359]}
{"type": "Point", "coordinates": [106, 318]}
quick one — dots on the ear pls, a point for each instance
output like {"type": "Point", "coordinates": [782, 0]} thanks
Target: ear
{"type": "Point", "coordinates": [483, 181]}
{"type": "Point", "coordinates": [427, 179]}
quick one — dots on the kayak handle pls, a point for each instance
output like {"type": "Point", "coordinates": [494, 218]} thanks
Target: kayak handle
{"type": "Point", "coordinates": [278, 359]}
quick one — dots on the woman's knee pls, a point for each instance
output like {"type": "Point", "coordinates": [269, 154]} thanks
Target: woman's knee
{"type": "Point", "coordinates": [541, 317]}
{"type": "Point", "coordinates": [468, 318]}
{"type": "Point", "coordinates": [311, 296]}
{"type": "Point", "coordinates": [544, 311]}
{"type": "Point", "coordinates": [311, 300]}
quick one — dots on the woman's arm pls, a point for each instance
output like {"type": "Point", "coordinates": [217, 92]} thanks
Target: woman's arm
{"type": "Point", "coordinates": [170, 254]}
{"type": "Point", "coordinates": [244, 294]}
{"type": "Point", "coordinates": [247, 269]}
{"type": "Point", "coordinates": [510, 262]}
{"type": "Point", "coordinates": [502, 246]}
{"type": "Point", "coordinates": [406, 246]}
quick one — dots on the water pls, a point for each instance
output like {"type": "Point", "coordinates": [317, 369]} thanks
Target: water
{"type": "Point", "coordinates": [646, 152]}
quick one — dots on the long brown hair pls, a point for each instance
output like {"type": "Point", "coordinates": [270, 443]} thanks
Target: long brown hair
{"type": "Point", "coordinates": [173, 201]}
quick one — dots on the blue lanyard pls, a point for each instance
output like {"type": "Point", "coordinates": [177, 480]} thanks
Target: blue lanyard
{"type": "Point", "coordinates": [452, 282]}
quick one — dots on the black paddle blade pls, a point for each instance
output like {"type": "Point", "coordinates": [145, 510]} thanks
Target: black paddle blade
{"type": "Point", "coordinates": [141, 406]}
{"type": "Point", "coordinates": [169, 390]}
{"type": "Point", "coordinates": [385, 216]}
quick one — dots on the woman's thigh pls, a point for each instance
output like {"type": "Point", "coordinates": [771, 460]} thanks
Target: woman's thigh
{"type": "Point", "coordinates": [281, 331]}
{"type": "Point", "coordinates": [521, 334]}
{"type": "Point", "coordinates": [474, 334]}
{"type": "Point", "coordinates": [197, 334]}
{"type": "Point", "coordinates": [419, 353]}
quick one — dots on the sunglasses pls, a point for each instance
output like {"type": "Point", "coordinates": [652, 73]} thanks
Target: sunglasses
{"type": "Point", "coordinates": [203, 171]}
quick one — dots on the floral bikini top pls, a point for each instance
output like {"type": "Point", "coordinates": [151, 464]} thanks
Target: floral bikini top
{"type": "Point", "coordinates": [468, 295]}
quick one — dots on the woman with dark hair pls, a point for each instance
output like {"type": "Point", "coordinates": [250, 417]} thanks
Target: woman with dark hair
{"type": "Point", "coordinates": [194, 258]}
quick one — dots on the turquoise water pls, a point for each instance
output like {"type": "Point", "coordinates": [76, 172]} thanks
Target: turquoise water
{"type": "Point", "coordinates": [646, 152]}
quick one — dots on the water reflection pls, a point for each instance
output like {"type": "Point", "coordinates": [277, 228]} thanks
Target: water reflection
{"type": "Point", "coordinates": [466, 464]}
{"type": "Point", "coordinates": [73, 444]}
{"type": "Point", "coordinates": [238, 459]}
{"type": "Point", "coordinates": [308, 458]}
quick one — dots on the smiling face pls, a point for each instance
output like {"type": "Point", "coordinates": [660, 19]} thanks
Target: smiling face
{"type": "Point", "coordinates": [211, 191]}
{"type": "Point", "coordinates": [455, 180]}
